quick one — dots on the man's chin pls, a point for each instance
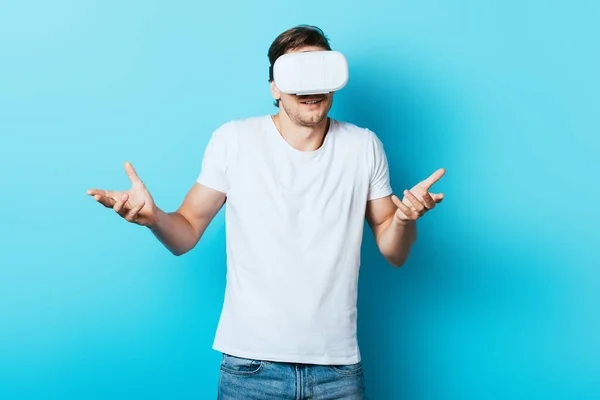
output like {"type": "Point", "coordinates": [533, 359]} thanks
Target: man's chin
{"type": "Point", "coordinates": [311, 120]}
{"type": "Point", "coordinates": [306, 118]}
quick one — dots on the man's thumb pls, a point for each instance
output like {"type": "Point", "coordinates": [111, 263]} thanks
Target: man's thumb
{"type": "Point", "coordinates": [133, 176]}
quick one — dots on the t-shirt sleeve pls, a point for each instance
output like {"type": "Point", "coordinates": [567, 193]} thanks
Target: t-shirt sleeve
{"type": "Point", "coordinates": [216, 160]}
{"type": "Point", "coordinates": [379, 185]}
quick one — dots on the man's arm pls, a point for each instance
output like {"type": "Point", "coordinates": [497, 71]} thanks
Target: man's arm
{"type": "Point", "coordinates": [181, 230]}
{"type": "Point", "coordinates": [393, 237]}
{"type": "Point", "coordinates": [394, 222]}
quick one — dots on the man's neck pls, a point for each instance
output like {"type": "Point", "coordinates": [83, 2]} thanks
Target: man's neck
{"type": "Point", "coordinates": [302, 138]}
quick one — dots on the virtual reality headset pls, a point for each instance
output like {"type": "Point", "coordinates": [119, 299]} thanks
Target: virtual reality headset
{"type": "Point", "coordinates": [310, 72]}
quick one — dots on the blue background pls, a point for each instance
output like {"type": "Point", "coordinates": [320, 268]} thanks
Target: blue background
{"type": "Point", "coordinates": [500, 296]}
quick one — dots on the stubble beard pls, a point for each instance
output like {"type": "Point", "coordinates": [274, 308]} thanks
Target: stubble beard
{"type": "Point", "coordinates": [304, 120]}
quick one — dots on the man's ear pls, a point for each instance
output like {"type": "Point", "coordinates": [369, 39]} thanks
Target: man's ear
{"type": "Point", "coordinates": [275, 92]}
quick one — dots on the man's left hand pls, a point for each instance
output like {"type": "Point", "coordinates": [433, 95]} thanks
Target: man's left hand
{"type": "Point", "coordinates": [417, 201]}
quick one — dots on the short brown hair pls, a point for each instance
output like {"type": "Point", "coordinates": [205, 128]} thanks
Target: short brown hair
{"type": "Point", "coordinates": [293, 38]}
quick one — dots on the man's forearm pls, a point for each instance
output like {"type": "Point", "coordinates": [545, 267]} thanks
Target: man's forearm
{"type": "Point", "coordinates": [174, 231]}
{"type": "Point", "coordinates": [396, 240]}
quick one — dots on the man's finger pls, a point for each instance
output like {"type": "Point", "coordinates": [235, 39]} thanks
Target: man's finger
{"type": "Point", "coordinates": [94, 192]}
{"type": "Point", "coordinates": [401, 215]}
{"type": "Point", "coordinates": [438, 197]}
{"type": "Point", "coordinates": [427, 183]}
{"type": "Point", "coordinates": [403, 207]}
{"type": "Point", "coordinates": [414, 201]}
{"type": "Point", "coordinates": [397, 201]}
{"type": "Point", "coordinates": [121, 200]}
{"type": "Point", "coordinates": [133, 177]}
{"type": "Point", "coordinates": [405, 214]}
{"type": "Point", "coordinates": [130, 216]}
{"type": "Point", "coordinates": [105, 200]}
{"type": "Point", "coordinates": [428, 200]}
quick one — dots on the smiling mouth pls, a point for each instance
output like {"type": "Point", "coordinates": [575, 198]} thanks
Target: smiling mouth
{"type": "Point", "coordinates": [311, 101]}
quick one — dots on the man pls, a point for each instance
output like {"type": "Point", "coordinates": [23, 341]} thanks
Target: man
{"type": "Point", "coordinates": [298, 186]}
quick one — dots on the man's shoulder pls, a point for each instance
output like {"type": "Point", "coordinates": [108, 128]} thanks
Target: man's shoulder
{"type": "Point", "coordinates": [352, 130]}
{"type": "Point", "coordinates": [246, 123]}
{"type": "Point", "coordinates": [229, 131]}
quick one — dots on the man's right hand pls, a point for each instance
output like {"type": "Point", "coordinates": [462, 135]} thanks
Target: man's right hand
{"type": "Point", "coordinates": [135, 205]}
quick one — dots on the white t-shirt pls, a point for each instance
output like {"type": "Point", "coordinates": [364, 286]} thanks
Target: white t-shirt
{"type": "Point", "coordinates": [294, 226]}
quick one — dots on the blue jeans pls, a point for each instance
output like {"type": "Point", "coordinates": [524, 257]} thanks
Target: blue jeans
{"type": "Point", "coordinates": [243, 378]}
